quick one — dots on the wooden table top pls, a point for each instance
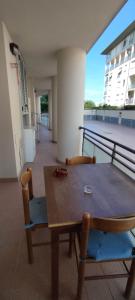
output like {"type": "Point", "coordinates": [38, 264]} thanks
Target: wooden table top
{"type": "Point", "coordinates": [113, 194]}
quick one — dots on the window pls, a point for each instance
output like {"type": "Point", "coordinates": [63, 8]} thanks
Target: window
{"type": "Point", "coordinates": [124, 43]}
{"type": "Point", "coordinates": [119, 74]}
{"type": "Point", "coordinates": [123, 82]}
{"type": "Point", "coordinates": [110, 77]}
{"type": "Point", "coordinates": [129, 52]}
{"type": "Point", "coordinates": [23, 85]}
{"type": "Point", "coordinates": [131, 38]}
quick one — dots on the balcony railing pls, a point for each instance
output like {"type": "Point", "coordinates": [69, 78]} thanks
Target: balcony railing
{"type": "Point", "coordinates": [121, 156]}
{"type": "Point", "coordinates": [123, 60]}
{"type": "Point", "coordinates": [131, 86]}
{"type": "Point", "coordinates": [130, 101]}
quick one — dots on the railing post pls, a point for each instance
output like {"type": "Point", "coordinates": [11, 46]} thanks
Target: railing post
{"type": "Point", "coordinates": [83, 141]}
{"type": "Point", "coordinates": [113, 153]}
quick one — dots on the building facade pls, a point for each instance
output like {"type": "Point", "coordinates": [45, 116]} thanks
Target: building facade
{"type": "Point", "coordinates": [120, 69]}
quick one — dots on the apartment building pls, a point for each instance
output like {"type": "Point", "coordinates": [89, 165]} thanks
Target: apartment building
{"type": "Point", "coordinates": [120, 69]}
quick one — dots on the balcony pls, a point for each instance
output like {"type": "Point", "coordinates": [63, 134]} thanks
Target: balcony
{"type": "Point", "coordinates": [132, 70]}
{"type": "Point", "coordinates": [35, 60]}
{"type": "Point", "coordinates": [130, 101]}
{"type": "Point", "coordinates": [131, 87]}
{"type": "Point", "coordinates": [18, 279]}
{"type": "Point", "coordinates": [40, 36]}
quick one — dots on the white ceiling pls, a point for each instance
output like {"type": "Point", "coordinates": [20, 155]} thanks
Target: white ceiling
{"type": "Point", "coordinates": [42, 27]}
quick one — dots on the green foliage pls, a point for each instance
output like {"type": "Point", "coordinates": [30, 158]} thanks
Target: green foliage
{"type": "Point", "coordinates": [129, 107]}
{"type": "Point", "coordinates": [89, 104]}
{"type": "Point", "coordinates": [107, 107]}
{"type": "Point", "coordinates": [44, 103]}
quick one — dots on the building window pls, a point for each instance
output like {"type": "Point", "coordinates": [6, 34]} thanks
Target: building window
{"type": "Point", "coordinates": [110, 77]}
{"type": "Point", "coordinates": [129, 52]}
{"type": "Point", "coordinates": [119, 74]}
{"type": "Point", "coordinates": [131, 38]}
{"type": "Point", "coordinates": [124, 43]}
{"type": "Point", "coordinates": [123, 82]}
{"type": "Point", "coordinates": [24, 97]}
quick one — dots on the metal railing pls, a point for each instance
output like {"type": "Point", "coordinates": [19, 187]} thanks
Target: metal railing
{"type": "Point", "coordinates": [130, 101]}
{"type": "Point", "coordinates": [118, 153]}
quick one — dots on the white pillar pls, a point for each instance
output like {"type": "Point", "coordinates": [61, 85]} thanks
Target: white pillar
{"type": "Point", "coordinates": [50, 109]}
{"type": "Point", "coordinates": [71, 76]}
{"type": "Point", "coordinates": [38, 109]}
{"type": "Point", "coordinates": [54, 109]}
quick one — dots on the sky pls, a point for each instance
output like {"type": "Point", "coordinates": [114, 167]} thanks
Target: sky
{"type": "Point", "coordinates": [95, 63]}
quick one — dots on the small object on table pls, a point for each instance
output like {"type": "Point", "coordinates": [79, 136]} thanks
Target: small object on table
{"type": "Point", "coordinates": [87, 189]}
{"type": "Point", "coordinates": [60, 172]}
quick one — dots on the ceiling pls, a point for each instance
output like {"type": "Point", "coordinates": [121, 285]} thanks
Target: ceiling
{"type": "Point", "coordinates": [42, 27]}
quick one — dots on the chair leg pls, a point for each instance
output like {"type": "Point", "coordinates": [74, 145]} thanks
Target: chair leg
{"type": "Point", "coordinates": [29, 246]}
{"type": "Point", "coordinates": [130, 280]}
{"type": "Point", "coordinates": [71, 242]}
{"type": "Point", "coordinates": [81, 273]}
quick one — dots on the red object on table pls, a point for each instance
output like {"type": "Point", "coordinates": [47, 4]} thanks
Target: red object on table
{"type": "Point", "coordinates": [60, 172]}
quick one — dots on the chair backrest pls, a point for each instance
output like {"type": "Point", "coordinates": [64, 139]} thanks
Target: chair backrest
{"type": "Point", "coordinates": [81, 160]}
{"type": "Point", "coordinates": [27, 192]}
{"type": "Point", "coordinates": [106, 225]}
{"type": "Point", "coordinates": [26, 181]}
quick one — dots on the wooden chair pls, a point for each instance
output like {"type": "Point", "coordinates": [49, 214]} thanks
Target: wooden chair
{"type": "Point", "coordinates": [77, 160]}
{"type": "Point", "coordinates": [104, 240]}
{"type": "Point", "coordinates": [35, 212]}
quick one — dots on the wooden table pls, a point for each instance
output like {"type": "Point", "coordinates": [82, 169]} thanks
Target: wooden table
{"type": "Point", "coordinates": [113, 195]}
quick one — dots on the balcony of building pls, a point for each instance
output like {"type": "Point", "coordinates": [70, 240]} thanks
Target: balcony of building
{"type": "Point", "coordinates": [132, 68]}
{"type": "Point", "coordinates": [19, 280]}
{"type": "Point", "coordinates": [41, 56]}
{"type": "Point", "coordinates": [131, 85]}
{"type": "Point", "coordinates": [43, 47]}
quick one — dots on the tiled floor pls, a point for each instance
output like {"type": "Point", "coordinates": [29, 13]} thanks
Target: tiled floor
{"type": "Point", "coordinates": [18, 279]}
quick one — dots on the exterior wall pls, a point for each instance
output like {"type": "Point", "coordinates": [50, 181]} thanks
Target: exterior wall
{"type": "Point", "coordinates": [7, 166]}
{"type": "Point", "coordinates": [14, 93]}
{"type": "Point", "coordinates": [120, 73]}
{"type": "Point", "coordinates": [121, 117]}
{"type": "Point", "coordinates": [11, 145]}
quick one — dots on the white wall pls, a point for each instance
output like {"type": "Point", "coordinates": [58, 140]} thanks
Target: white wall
{"type": "Point", "coordinates": [11, 133]}
{"type": "Point", "coordinates": [7, 153]}
{"type": "Point", "coordinates": [127, 114]}
{"type": "Point", "coordinates": [14, 95]}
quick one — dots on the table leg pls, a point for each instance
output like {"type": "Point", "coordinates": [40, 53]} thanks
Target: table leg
{"type": "Point", "coordinates": [55, 264]}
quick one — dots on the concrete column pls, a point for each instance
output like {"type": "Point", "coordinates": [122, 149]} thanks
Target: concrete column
{"type": "Point", "coordinates": [38, 108]}
{"type": "Point", "coordinates": [54, 109]}
{"type": "Point", "coordinates": [71, 76]}
{"type": "Point", "coordinates": [50, 109]}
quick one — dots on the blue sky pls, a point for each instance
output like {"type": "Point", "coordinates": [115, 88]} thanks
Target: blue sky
{"type": "Point", "coordinates": [95, 65]}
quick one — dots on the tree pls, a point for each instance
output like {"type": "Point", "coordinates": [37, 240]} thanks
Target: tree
{"type": "Point", "coordinates": [44, 103]}
{"type": "Point", "coordinates": [89, 104]}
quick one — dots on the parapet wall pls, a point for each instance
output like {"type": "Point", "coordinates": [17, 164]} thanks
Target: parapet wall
{"type": "Point", "coordinates": [121, 117]}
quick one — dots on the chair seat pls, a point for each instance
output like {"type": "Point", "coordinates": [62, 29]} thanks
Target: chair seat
{"type": "Point", "coordinates": [38, 211]}
{"type": "Point", "coordinates": [109, 246]}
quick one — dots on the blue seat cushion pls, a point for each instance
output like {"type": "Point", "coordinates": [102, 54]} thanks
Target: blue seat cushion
{"type": "Point", "coordinates": [38, 210]}
{"type": "Point", "coordinates": [107, 246]}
